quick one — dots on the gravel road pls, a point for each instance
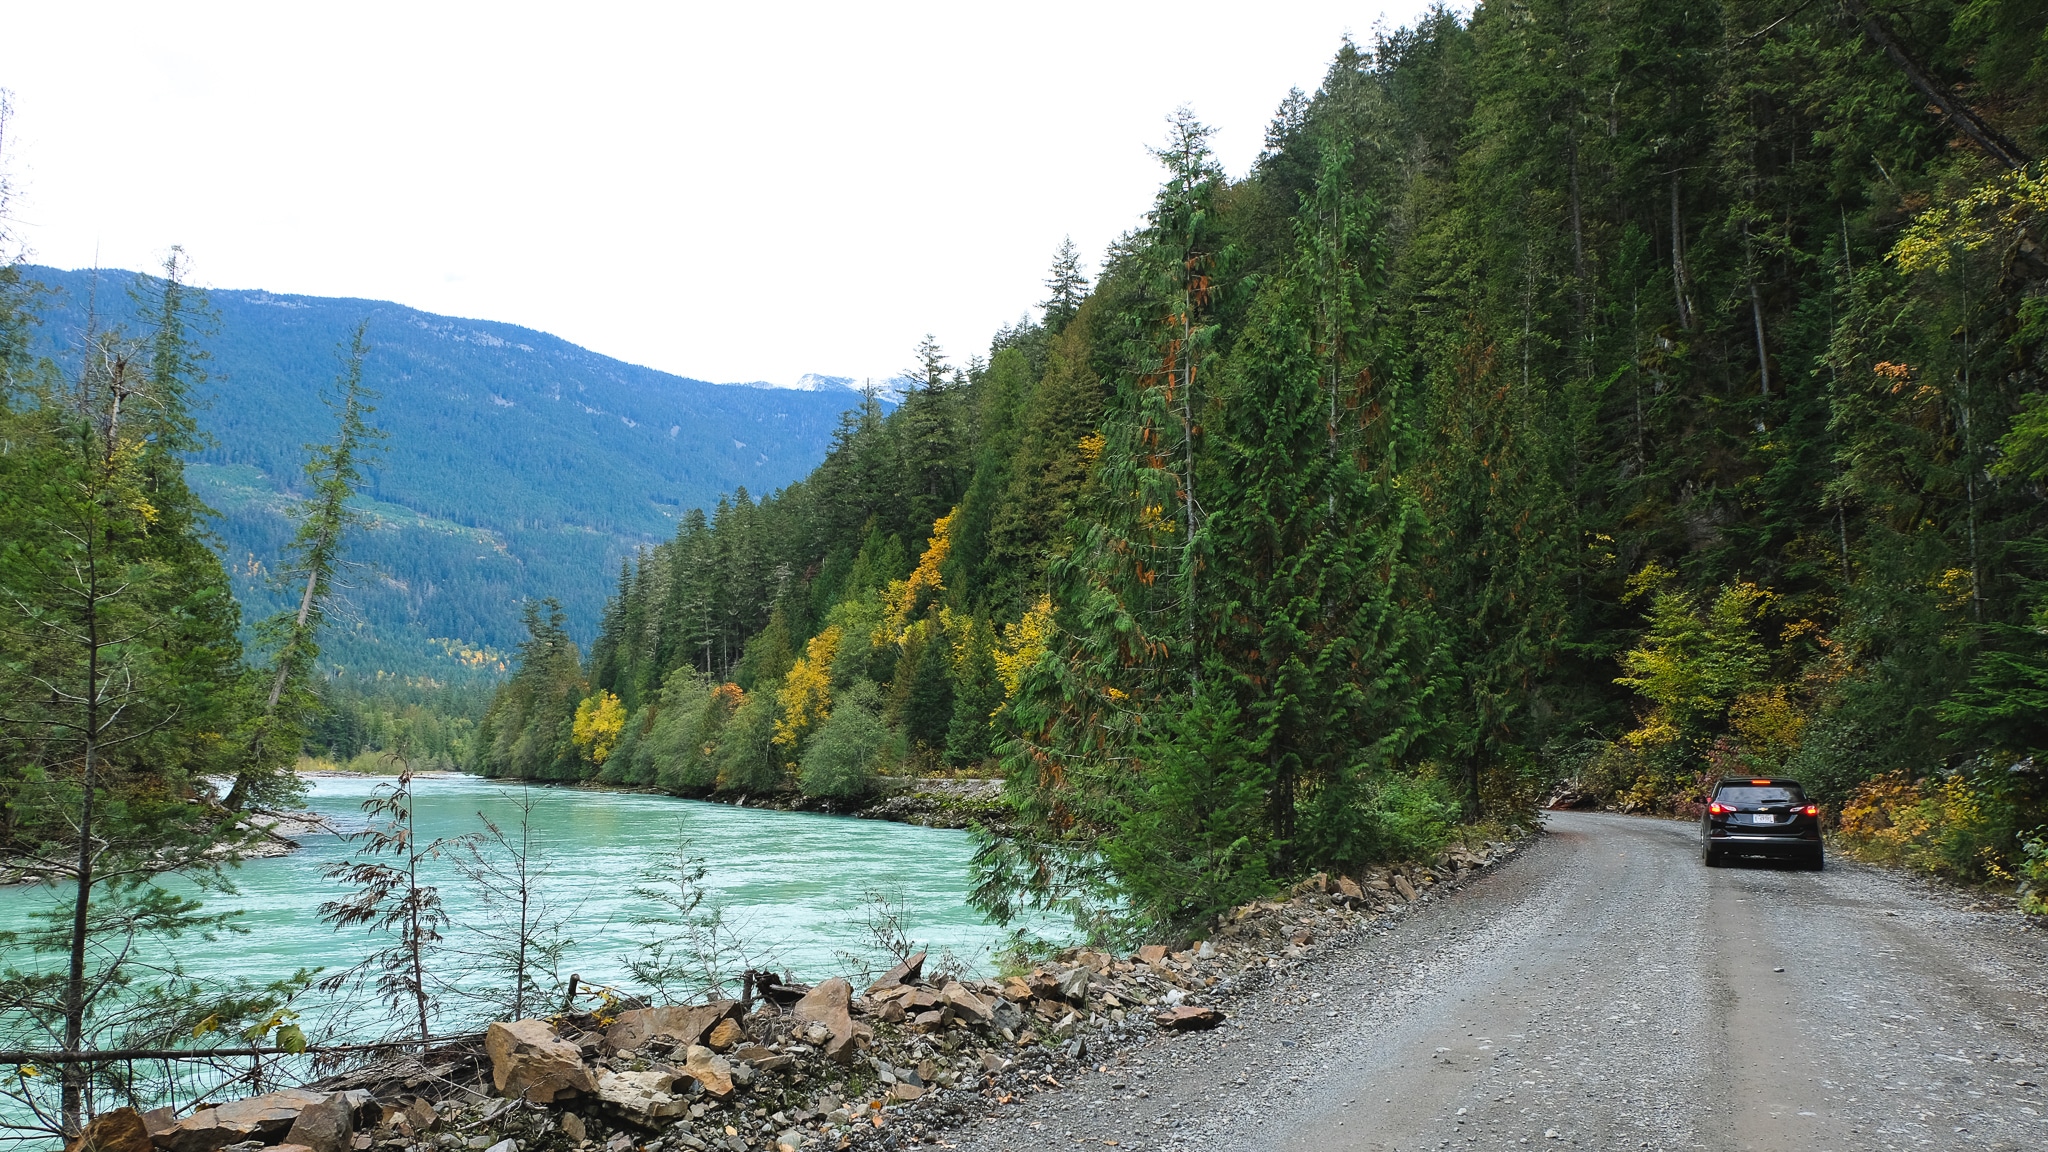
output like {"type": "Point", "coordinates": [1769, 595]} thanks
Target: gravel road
{"type": "Point", "coordinates": [1604, 990]}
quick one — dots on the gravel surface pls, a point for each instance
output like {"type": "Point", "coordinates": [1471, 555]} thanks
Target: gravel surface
{"type": "Point", "coordinates": [1605, 990]}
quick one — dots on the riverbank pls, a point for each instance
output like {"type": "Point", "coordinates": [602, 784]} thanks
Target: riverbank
{"type": "Point", "coordinates": [912, 1058]}
{"type": "Point", "coordinates": [925, 802]}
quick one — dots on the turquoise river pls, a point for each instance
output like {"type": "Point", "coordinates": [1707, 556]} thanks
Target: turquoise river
{"type": "Point", "coordinates": [791, 883]}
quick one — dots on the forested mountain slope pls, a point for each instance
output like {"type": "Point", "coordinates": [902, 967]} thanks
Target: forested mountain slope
{"type": "Point", "coordinates": [516, 465]}
{"type": "Point", "coordinates": [1633, 393]}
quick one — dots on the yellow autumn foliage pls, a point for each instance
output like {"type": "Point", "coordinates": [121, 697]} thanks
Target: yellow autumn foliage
{"type": "Point", "coordinates": [903, 597]}
{"type": "Point", "coordinates": [600, 720]}
{"type": "Point", "coordinates": [805, 698]}
{"type": "Point", "coordinates": [1993, 212]}
{"type": "Point", "coordinates": [1022, 644]}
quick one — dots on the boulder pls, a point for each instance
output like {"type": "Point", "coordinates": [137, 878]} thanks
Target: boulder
{"type": "Point", "coordinates": [641, 1097]}
{"type": "Point", "coordinates": [121, 1130]}
{"type": "Point", "coordinates": [1152, 954]}
{"type": "Point", "coordinates": [687, 1023]}
{"type": "Point", "coordinates": [573, 1127]}
{"type": "Point", "coordinates": [1015, 989]}
{"type": "Point", "coordinates": [328, 1126]}
{"type": "Point", "coordinates": [828, 1004]}
{"type": "Point", "coordinates": [264, 1118]}
{"type": "Point", "coordinates": [724, 1035]}
{"type": "Point", "coordinates": [1406, 889]}
{"type": "Point", "coordinates": [1188, 1018]}
{"type": "Point", "coordinates": [1004, 1014]}
{"type": "Point", "coordinates": [967, 1005]}
{"type": "Point", "coordinates": [1073, 985]}
{"type": "Point", "coordinates": [904, 973]}
{"type": "Point", "coordinates": [421, 1113]}
{"type": "Point", "coordinates": [529, 1062]}
{"type": "Point", "coordinates": [1346, 886]}
{"type": "Point", "coordinates": [709, 1069]}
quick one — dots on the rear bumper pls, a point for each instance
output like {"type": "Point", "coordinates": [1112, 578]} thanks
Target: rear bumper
{"type": "Point", "coordinates": [1739, 844]}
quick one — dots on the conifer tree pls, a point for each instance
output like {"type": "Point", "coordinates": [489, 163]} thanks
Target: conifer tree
{"type": "Point", "coordinates": [1066, 287]}
{"type": "Point", "coordinates": [334, 471]}
{"type": "Point", "coordinates": [117, 647]}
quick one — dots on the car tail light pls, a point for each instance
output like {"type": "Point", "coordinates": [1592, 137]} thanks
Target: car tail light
{"type": "Point", "coordinates": [1718, 809]}
{"type": "Point", "coordinates": [1810, 810]}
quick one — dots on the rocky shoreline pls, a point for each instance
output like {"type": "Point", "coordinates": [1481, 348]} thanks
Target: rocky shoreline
{"type": "Point", "coordinates": [797, 1068]}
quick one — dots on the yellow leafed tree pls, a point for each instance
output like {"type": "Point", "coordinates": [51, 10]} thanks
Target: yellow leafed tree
{"type": "Point", "coordinates": [806, 695]}
{"type": "Point", "coordinates": [904, 597]}
{"type": "Point", "coordinates": [1023, 643]}
{"type": "Point", "coordinates": [600, 719]}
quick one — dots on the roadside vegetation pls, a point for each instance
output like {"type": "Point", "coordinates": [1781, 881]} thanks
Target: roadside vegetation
{"type": "Point", "coordinates": [1628, 396]}
{"type": "Point", "coordinates": [1624, 396]}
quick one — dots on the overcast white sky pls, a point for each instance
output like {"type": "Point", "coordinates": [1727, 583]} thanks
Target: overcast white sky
{"type": "Point", "coordinates": [727, 191]}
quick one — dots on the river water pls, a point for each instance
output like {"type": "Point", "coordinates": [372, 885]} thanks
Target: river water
{"type": "Point", "coordinates": [793, 883]}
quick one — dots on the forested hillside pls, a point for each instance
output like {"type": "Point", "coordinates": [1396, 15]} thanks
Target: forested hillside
{"type": "Point", "coordinates": [1625, 393]}
{"type": "Point", "coordinates": [517, 464]}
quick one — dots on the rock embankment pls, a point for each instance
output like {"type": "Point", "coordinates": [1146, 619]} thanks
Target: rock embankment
{"type": "Point", "coordinates": [801, 1068]}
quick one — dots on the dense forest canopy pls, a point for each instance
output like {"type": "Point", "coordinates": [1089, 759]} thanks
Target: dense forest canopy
{"type": "Point", "coordinates": [1628, 393]}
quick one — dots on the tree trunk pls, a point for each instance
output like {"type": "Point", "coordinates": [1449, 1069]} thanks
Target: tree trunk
{"type": "Point", "coordinates": [1678, 260]}
{"type": "Point", "coordinates": [72, 1096]}
{"type": "Point", "coordinates": [1940, 95]}
{"type": "Point", "coordinates": [1763, 352]}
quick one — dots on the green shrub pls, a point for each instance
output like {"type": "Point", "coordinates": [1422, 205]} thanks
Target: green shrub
{"type": "Point", "coordinates": [2034, 872]}
{"type": "Point", "coordinates": [1407, 817]}
{"type": "Point", "coordinates": [747, 759]}
{"type": "Point", "coordinates": [841, 760]}
{"type": "Point", "coordinates": [675, 752]}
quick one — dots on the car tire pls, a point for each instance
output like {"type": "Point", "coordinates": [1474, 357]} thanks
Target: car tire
{"type": "Point", "coordinates": [1819, 863]}
{"type": "Point", "coordinates": [1711, 856]}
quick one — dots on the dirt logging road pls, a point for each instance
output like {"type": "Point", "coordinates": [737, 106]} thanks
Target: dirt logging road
{"type": "Point", "coordinates": [1605, 990]}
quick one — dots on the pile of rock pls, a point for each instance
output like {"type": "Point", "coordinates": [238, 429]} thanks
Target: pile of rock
{"type": "Point", "coordinates": [798, 1068]}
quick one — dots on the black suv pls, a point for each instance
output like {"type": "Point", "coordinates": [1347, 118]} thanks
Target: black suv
{"type": "Point", "coordinates": [1761, 818]}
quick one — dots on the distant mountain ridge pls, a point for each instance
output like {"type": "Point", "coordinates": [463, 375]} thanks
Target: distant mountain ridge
{"type": "Point", "coordinates": [518, 464]}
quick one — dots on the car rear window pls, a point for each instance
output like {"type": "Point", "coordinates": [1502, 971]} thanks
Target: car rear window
{"type": "Point", "coordinates": [1759, 795]}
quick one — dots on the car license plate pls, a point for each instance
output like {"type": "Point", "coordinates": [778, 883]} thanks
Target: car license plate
{"type": "Point", "coordinates": [1762, 818]}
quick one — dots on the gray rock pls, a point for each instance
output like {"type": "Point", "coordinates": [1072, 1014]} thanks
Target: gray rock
{"type": "Point", "coordinates": [328, 1126]}
{"type": "Point", "coordinates": [687, 1024]}
{"type": "Point", "coordinates": [529, 1062]}
{"type": "Point", "coordinates": [829, 1004]}
{"type": "Point", "coordinates": [262, 1118]}
{"type": "Point", "coordinates": [1074, 985]}
{"type": "Point", "coordinates": [642, 1097]}
{"type": "Point", "coordinates": [904, 973]}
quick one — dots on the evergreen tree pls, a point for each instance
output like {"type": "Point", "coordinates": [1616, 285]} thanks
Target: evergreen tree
{"type": "Point", "coordinates": [117, 660]}
{"type": "Point", "coordinates": [334, 472]}
{"type": "Point", "coordinates": [1066, 287]}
